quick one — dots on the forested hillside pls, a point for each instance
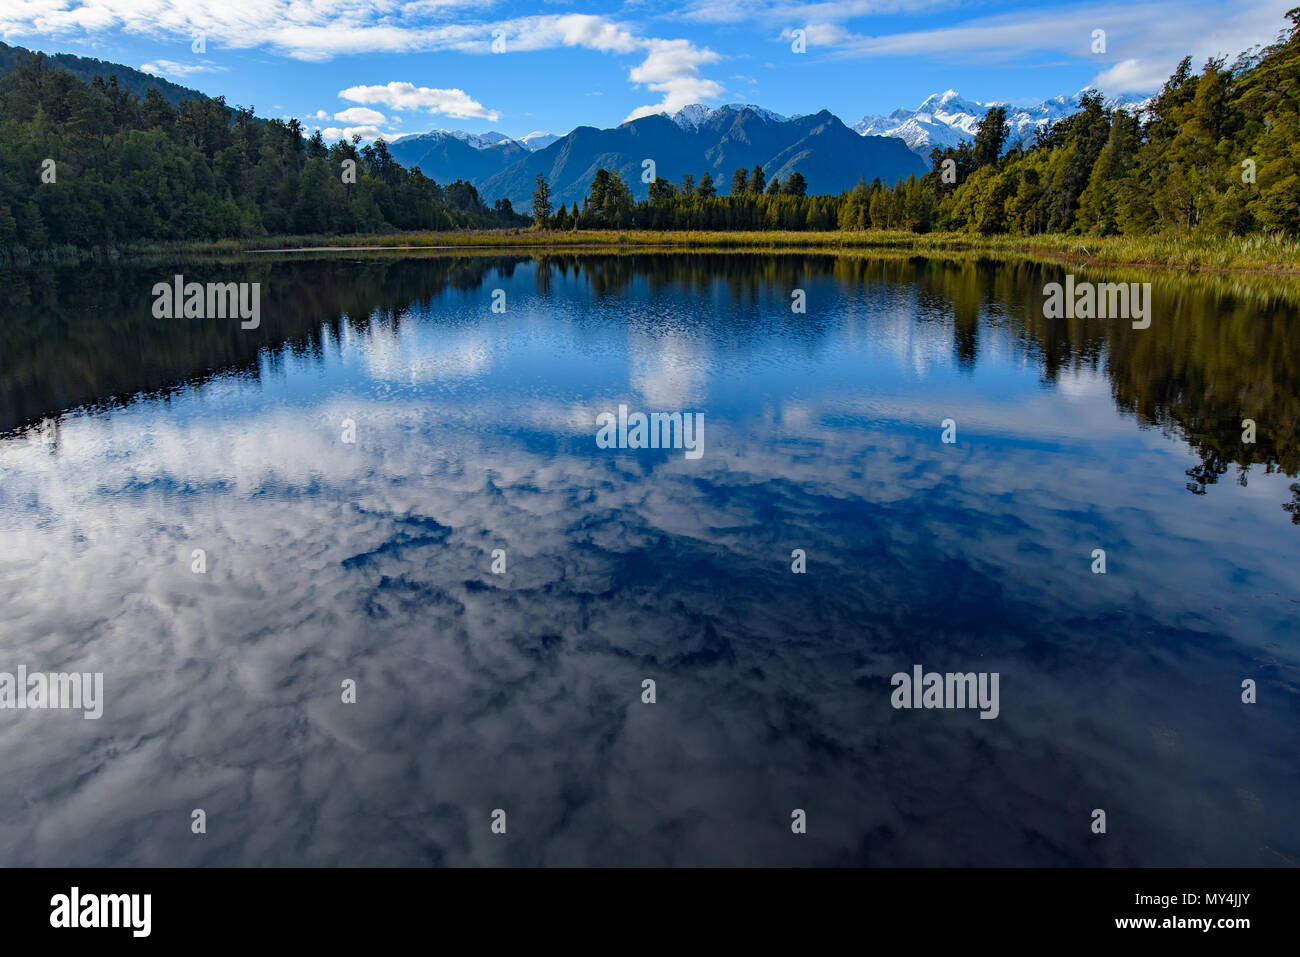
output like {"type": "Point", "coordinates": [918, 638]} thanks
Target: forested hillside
{"type": "Point", "coordinates": [88, 164]}
{"type": "Point", "coordinates": [87, 68]}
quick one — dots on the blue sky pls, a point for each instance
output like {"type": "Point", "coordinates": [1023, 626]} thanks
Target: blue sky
{"type": "Point", "coordinates": [390, 67]}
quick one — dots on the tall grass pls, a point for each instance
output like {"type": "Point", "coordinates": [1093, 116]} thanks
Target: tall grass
{"type": "Point", "coordinates": [1261, 252]}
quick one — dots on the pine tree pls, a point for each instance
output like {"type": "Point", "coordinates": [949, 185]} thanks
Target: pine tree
{"type": "Point", "coordinates": [990, 137]}
{"type": "Point", "coordinates": [541, 203]}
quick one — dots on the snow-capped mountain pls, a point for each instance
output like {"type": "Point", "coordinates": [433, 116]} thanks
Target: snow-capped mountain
{"type": "Point", "coordinates": [947, 119]}
{"type": "Point", "coordinates": [830, 156]}
{"type": "Point", "coordinates": [477, 140]}
{"type": "Point", "coordinates": [697, 114]}
{"type": "Point", "coordinates": [481, 141]}
{"type": "Point", "coordinates": [943, 120]}
{"type": "Point", "coordinates": [537, 140]}
{"type": "Point", "coordinates": [697, 138]}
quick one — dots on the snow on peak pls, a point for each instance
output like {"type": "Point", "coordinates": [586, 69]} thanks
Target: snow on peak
{"type": "Point", "coordinates": [690, 117]}
{"type": "Point", "coordinates": [693, 116]}
{"type": "Point", "coordinates": [947, 119]}
{"type": "Point", "coordinates": [481, 141]}
{"type": "Point", "coordinates": [538, 140]}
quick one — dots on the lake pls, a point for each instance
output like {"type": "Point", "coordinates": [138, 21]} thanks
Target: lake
{"type": "Point", "coordinates": [390, 489]}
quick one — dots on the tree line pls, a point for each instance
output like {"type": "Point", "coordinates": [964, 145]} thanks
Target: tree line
{"type": "Point", "coordinates": [89, 163]}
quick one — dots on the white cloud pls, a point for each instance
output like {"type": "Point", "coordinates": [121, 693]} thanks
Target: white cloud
{"type": "Point", "coordinates": [408, 96]}
{"type": "Point", "coordinates": [172, 68]}
{"type": "Point", "coordinates": [334, 133]}
{"type": "Point", "coordinates": [1161, 33]}
{"type": "Point", "coordinates": [1133, 76]}
{"type": "Point", "coordinates": [568, 30]}
{"type": "Point", "coordinates": [317, 30]}
{"type": "Point", "coordinates": [672, 68]}
{"type": "Point", "coordinates": [784, 11]}
{"type": "Point", "coordinates": [360, 114]}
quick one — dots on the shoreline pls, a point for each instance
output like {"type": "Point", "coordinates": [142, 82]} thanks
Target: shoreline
{"type": "Point", "coordinates": [1268, 254]}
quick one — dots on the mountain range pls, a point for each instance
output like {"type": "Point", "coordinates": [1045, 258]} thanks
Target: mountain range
{"type": "Point", "coordinates": [697, 140]}
{"type": "Point", "coordinates": [948, 119]}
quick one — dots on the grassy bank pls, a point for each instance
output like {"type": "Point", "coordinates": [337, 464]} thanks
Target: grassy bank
{"type": "Point", "coordinates": [1270, 253]}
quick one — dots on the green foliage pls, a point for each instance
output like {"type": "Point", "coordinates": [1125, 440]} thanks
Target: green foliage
{"type": "Point", "coordinates": [90, 164]}
{"type": "Point", "coordinates": [542, 203]}
{"type": "Point", "coordinates": [1184, 167]}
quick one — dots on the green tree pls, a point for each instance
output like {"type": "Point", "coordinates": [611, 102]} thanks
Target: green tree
{"type": "Point", "coordinates": [990, 137]}
{"type": "Point", "coordinates": [541, 202]}
{"type": "Point", "coordinates": [662, 191]}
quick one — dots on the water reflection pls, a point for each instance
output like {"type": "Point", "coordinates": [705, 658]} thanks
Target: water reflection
{"type": "Point", "coordinates": [372, 560]}
{"type": "Point", "coordinates": [1214, 358]}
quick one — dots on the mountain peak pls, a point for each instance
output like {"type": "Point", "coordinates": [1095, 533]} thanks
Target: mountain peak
{"type": "Point", "coordinates": [949, 103]}
{"type": "Point", "coordinates": [693, 116]}
{"type": "Point", "coordinates": [690, 117]}
{"type": "Point", "coordinates": [538, 140]}
{"type": "Point", "coordinates": [480, 141]}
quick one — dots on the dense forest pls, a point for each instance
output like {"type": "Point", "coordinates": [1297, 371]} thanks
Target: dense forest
{"type": "Point", "coordinates": [1217, 151]}
{"type": "Point", "coordinates": [90, 163]}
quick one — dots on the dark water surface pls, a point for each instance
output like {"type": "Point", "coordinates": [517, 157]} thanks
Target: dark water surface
{"type": "Point", "coordinates": [126, 442]}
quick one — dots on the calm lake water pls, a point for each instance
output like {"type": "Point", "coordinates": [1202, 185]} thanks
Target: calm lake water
{"type": "Point", "coordinates": [128, 442]}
